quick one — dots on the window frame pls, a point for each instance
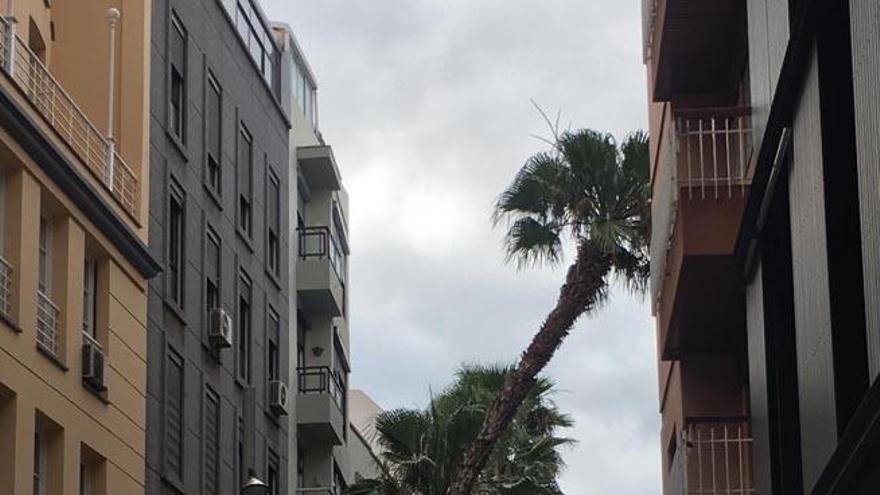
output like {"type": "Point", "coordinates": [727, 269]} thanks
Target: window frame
{"type": "Point", "coordinates": [213, 85]}
{"type": "Point", "coordinates": [177, 128]}
{"type": "Point", "coordinates": [209, 278]}
{"type": "Point", "coordinates": [273, 226]}
{"type": "Point", "coordinates": [176, 196]}
{"type": "Point", "coordinates": [244, 222]}
{"type": "Point", "coordinates": [244, 327]}
{"type": "Point", "coordinates": [174, 358]}
{"type": "Point", "coordinates": [210, 395]}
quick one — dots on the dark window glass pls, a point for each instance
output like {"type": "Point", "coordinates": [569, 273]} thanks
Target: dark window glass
{"type": "Point", "coordinates": [212, 443]}
{"type": "Point", "coordinates": [213, 123]}
{"type": "Point", "coordinates": [242, 473]}
{"type": "Point", "coordinates": [174, 415]}
{"type": "Point", "coordinates": [177, 69]}
{"type": "Point", "coordinates": [300, 468]}
{"type": "Point", "coordinates": [212, 271]}
{"type": "Point", "coordinates": [244, 328]}
{"type": "Point", "coordinates": [274, 331]}
{"type": "Point", "coordinates": [273, 479]}
{"type": "Point", "coordinates": [273, 241]}
{"type": "Point", "coordinates": [245, 177]}
{"type": "Point", "coordinates": [176, 253]}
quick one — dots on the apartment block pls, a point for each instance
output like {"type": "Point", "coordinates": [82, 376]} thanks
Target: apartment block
{"type": "Point", "coordinates": [764, 283]}
{"type": "Point", "coordinates": [219, 315]}
{"type": "Point", "coordinates": [74, 262]}
{"type": "Point", "coordinates": [319, 278]}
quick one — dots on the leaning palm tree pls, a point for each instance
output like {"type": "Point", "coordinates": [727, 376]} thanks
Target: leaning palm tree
{"type": "Point", "coordinates": [587, 192]}
{"type": "Point", "coordinates": [420, 448]}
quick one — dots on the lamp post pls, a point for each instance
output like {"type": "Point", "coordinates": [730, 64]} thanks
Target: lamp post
{"type": "Point", "coordinates": [254, 485]}
{"type": "Point", "coordinates": [113, 16]}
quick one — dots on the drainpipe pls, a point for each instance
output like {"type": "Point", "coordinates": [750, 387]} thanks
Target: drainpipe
{"type": "Point", "coordinates": [113, 16]}
{"type": "Point", "coordinates": [10, 45]}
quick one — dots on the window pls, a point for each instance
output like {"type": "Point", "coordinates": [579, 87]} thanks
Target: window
{"type": "Point", "coordinates": [90, 298]}
{"type": "Point", "coordinates": [214, 132]}
{"type": "Point", "coordinates": [245, 178]}
{"type": "Point", "coordinates": [212, 270]}
{"type": "Point", "coordinates": [176, 252]}
{"type": "Point", "coordinates": [338, 481]}
{"type": "Point", "coordinates": [85, 481]}
{"type": "Point", "coordinates": [272, 477]}
{"type": "Point", "coordinates": [212, 443]}
{"type": "Point", "coordinates": [45, 257]}
{"type": "Point", "coordinates": [177, 71]}
{"type": "Point", "coordinates": [174, 415]}
{"type": "Point", "coordinates": [244, 327]}
{"type": "Point", "coordinates": [40, 463]}
{"type": "Point", "coordinates": [257, 39]}
{"type": "Point", "coordinates": [274, 332]}
{"type": "Point", "coordinates": [273, 225]}
{"type": "Point", "coordinates": [242, 472]}
{"type": "Point", "coordinates": [300, 467]}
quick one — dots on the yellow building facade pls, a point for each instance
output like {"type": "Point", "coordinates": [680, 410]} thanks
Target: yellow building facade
{"type": "Point", "coordinates": [74, 265]}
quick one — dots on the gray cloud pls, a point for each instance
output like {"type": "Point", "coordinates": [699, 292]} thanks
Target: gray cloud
{"type": "Point", "coordinates": [427, 105]}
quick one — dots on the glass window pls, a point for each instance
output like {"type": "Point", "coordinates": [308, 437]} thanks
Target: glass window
{"type": "Point", "coordinates": [244, 327]}
{"type": "Point", "coordinates": [176, 235]}
{"type": "Point", "coordinates": [212, 443]}
{"type": "Point", "coordinates": [177, 70]}
{"type": "Point", "coordinates": [274, 332]}
{"type": "Point", "coordinates": [273, 479]}
{"type": "Point", "coordinates": [273, 224]}
{"type": "Point", "coordinates": [245, 178]}
{"type": "Point", "coordinates": [40, 461]}
{"type": "Point", "coordinates": [214, 125]}
{"type": "Point", "coordinates": [90, 298]}
{"type": "Point", "coordinates": [45, 257]}
{"type": "Point", "coordinates": [212, 270]}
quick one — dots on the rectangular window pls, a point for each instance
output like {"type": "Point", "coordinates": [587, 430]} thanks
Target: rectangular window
{"type": "Point", "coordinates": [176, 252]}
{"type": "Point", "coordinates": [274, 331]}
{"type": "Point", "coordinates": [177, 71]}
{"type": "Point", "coordinates": [40, 463]}
{"type": "Point", "coordinates": [300, 467]}
{"type": "Point", "coordinates": [45, 257]}
{"type": "Point", "coordinates": [242, 472]}
{"type": "Point", "coordinates": [90, 298]}
{"type": "Point", "coordinates": [214, 134]}
{"type": "Point", "coordinates": [273, 224]}
{"type": "Point", "coordinates": [272, 476]}
{"type": "Point", "coordinates": [212, 443]}
{"type": "Point", "coordinates": [212, 270]}
{"type": "Point", "coordinates": [174, 384]}
{"type": "Point", "coordinates": [244, 327]}
{"type": "Point", "coordinates": [245, 179]}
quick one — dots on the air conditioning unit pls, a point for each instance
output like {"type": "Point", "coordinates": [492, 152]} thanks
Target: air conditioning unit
{"type": "Point", "coordinates": [220, 329]}
{"type": "Point", "coordinates": [93, 365]}
{"type": "Point", "coordinates": [278, 397]}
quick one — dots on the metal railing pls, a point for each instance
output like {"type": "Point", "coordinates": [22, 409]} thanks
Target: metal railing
{"type": "Point", "coordinates": [318, 242]}
{"type": "Point", "coordinates": [713, 152]}
{"type": "Point", "coordinates": [321, 380]}
{"type": "Point", "coordinates": [5, 288]}
{"type": "Point", "coordinates": [705, 155]}
{"type": "Point", "coordinates": [47, 324]}
{"type": "Point", "coordinates": [322, 490]}
{"type": "Point", "coordinates": [60, 111]}
{"type": "Point", "coordinates": [88, 339]}
{"type": "Point", "coordinates": [716, 458]}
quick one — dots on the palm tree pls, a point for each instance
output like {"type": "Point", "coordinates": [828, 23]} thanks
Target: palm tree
{"type": "Point", "coordinates": [422, 447]}
{"type": "Point", "coordinates": [586, 191]}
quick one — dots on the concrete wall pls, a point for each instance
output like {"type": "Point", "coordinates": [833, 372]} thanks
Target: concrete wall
{"type": "Point", "coordinates": [214, 45]}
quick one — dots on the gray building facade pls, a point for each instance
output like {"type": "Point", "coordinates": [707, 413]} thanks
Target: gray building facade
{"type": "Point", "coordinates": [219, 314]}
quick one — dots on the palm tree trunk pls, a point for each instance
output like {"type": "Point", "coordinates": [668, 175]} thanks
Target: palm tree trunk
{"type": "Point", "coordinates": [582, 290]}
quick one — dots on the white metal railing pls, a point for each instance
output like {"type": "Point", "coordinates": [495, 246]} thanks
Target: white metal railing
{"type": "Point", "coordinates": [5, 287]}
{"type": "Point", "coordinates": [89, 339]}
{"type": "Point", "coordinates": [717, 458]}
{"type": "Point", "coordinates": [47, 323]}
{"type": "Point", "coordinates": [714, 149]}
{"type": "Point", "coordinates": [57, 107]}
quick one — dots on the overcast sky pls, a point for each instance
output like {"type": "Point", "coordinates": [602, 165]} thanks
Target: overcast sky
{"type": "Point", "coordinates": [427, 106]}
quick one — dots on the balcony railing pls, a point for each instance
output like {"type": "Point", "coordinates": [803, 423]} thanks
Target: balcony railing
{"type": "Point", "coordinates": [713, 456]}
{"type": "Point", "coordinates": [48, 97]}
{"type": "Point", "coordinates": [706, 157]}
{"type": "Point", "coordinates": [5, 288]}
{"type": "Point", "coordinates": [319, 242]}
{"type": "Point", "coordinates": [47, 324]}
{"type": "Point", "coordinates": [713, 152]}
{"type": "Point", "coordinates": [321, 380]}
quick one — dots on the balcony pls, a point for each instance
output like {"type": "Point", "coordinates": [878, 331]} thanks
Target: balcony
{"type": "Point", "coordinates": [699, 193]}
{"type": "Point", "coordinates": [713, 456]}
{"type": "Point", "coordinates": [320, 272]}
{"type": "Point", "coordinates": [47, 324]}
{"type": "Point", "coordinates": [48, 98]}
{"type": "Point", "coordinates": [696, 47]}
{"type": "Point", "coordinates": [318, 167]}
{"type": "Point", "coordinates": [320, 405]}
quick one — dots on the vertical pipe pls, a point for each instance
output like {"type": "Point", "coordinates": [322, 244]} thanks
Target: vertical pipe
{"type": "Point", "coordinates": [113, 16]}
{"type": "Point", "coordinates": [726, 460]}
{"type": "Point", "coordinates": [10, 31]}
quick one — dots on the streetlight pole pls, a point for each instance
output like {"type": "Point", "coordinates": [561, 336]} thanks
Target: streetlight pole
{"type": "Point", "coordinates": [113, 16]}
